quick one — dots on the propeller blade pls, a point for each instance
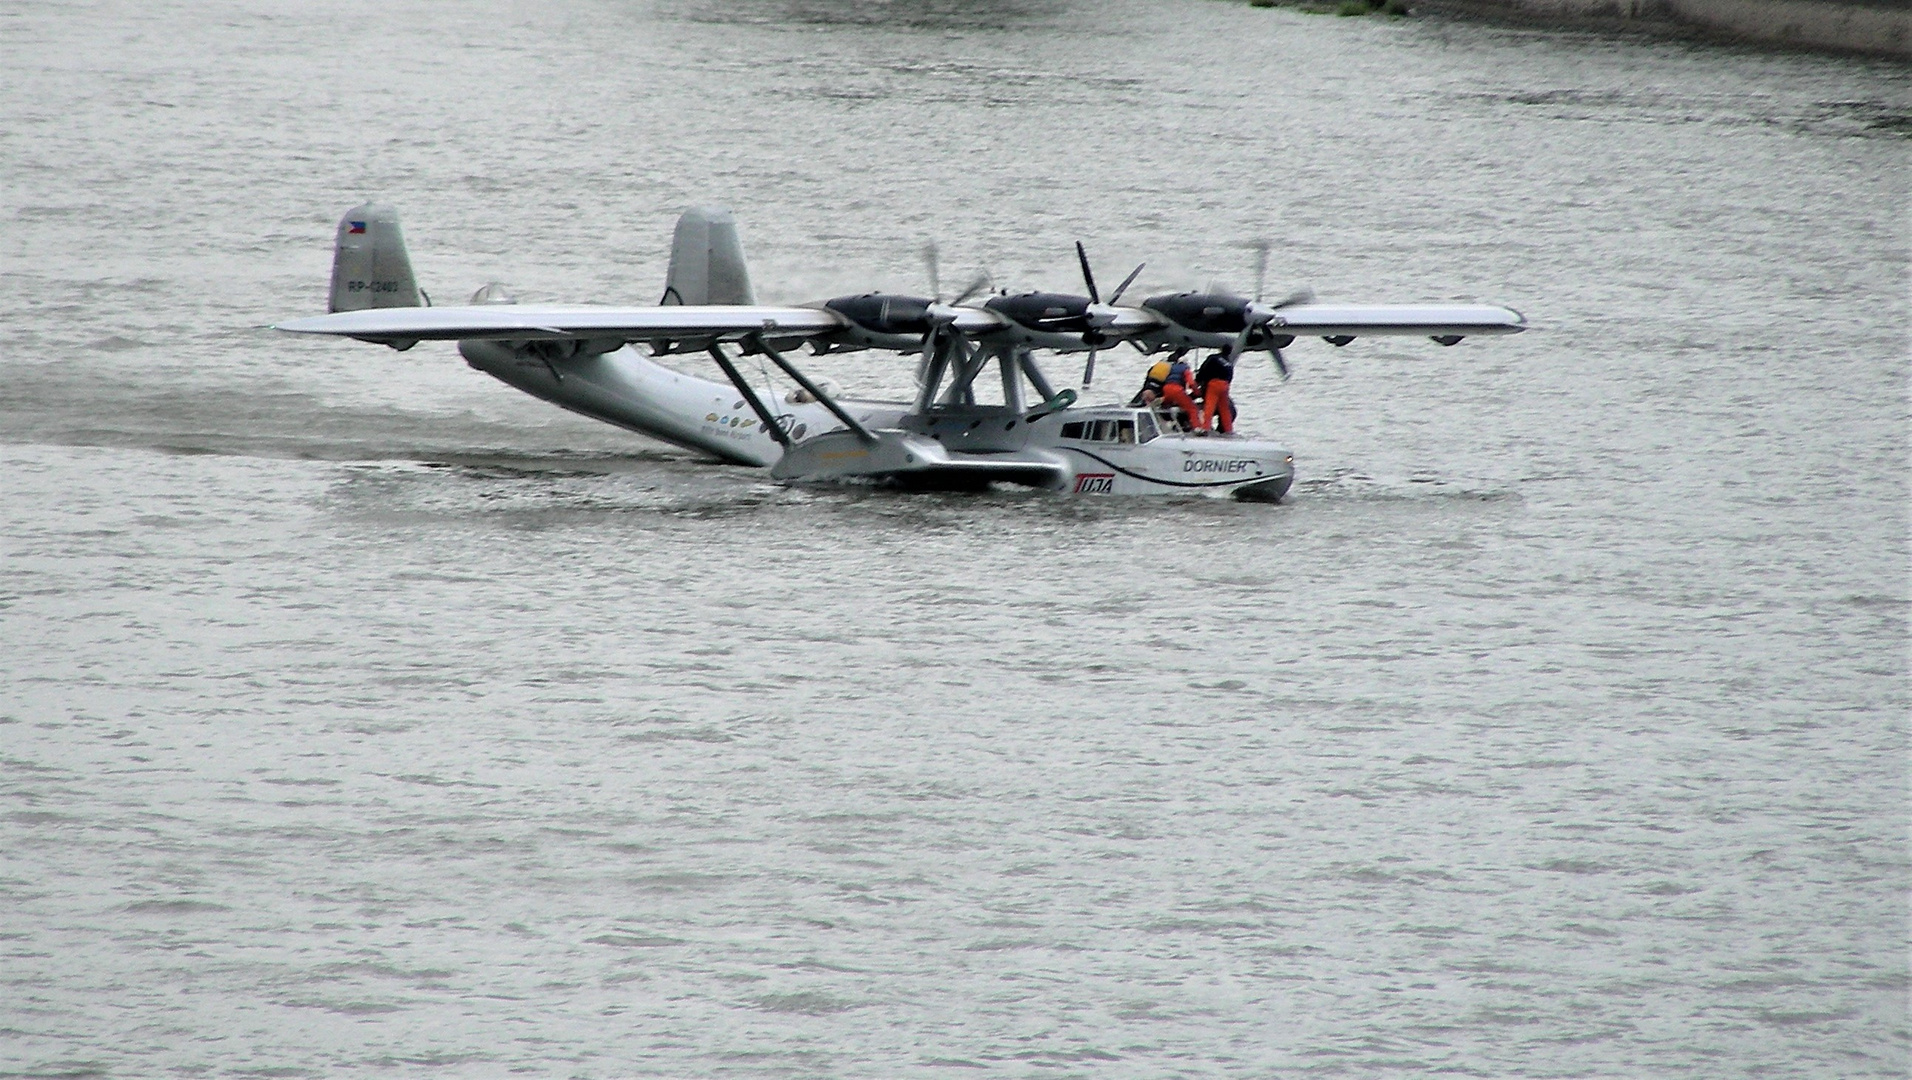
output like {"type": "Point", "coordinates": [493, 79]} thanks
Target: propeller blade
{"type": "Point", "coordinates": [1240, 343]}
{"type": "Point", "coordinates": [1302, 295]}
{"type": "Point", "coordinates": [1261, 266]}
{"type": "Point", "coordinates": [1087, 277]}
{"type": "Point", "coordinates": [1281, 364]}
{"type": "Point", "coordinates": [1088, 370]}
{"type": "Point", "coordinates": [1126, 282]}
{"type": "Point", "coordinates": [931, 262]}
{"type": "Point", "coordinates": [980, 282]}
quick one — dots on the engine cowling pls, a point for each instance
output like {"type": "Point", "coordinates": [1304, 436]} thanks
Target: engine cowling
{"type": "Point", "coordinates": [1044, 313]}
{"type": "Point", "coordinates": [1203, 313]}
{"type": "Point", "coordinates": [882, 320]}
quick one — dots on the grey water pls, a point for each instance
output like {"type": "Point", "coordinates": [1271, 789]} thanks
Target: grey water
{"type": "Point", "coordinates": [361, 716]}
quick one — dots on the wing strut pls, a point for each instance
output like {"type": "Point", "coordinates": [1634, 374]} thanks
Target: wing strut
{"type": "Point", "coordinates": [815, 390]}
{"type": "Point", "coordinates": [1029, 369]}
{"type": "Point", "coordinates": [965, 375]}
{"type": "Point", "coordinates": [943, 346]}
{"type": "Point", "coordinates": [1011, 380]}
{"type": "Point", "coordinates": [770, 424]}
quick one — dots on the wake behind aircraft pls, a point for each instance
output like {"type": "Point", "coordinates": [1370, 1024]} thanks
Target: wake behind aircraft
{"type": "Point", "coordinates": [584, 358]}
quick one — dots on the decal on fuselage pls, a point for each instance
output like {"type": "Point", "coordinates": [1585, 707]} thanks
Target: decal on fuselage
{"type": "Point", "coordinates": [733, 427]}
{"type": "Point", "coordinates": [1095, 483]}
{"type": "Point", "coordinates": [1212, 465]}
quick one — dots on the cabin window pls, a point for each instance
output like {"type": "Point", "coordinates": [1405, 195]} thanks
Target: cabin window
{"type": "Point", "coordinates": [1115, 431]}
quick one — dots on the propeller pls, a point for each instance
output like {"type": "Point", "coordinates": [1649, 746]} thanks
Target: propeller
{"type": "Point", "coordinates": [1276, 342]}
{"type": "Point", "coordinates": [1099, 314]}
{"type": "Point", "coordinates": [1088, 276]}
{"type": "Point", "coordinates": [1257, 315]}
{"type": "Point", "coordinates": [932, 263]}
{"type": "Point", "coordinates": [941, 313]}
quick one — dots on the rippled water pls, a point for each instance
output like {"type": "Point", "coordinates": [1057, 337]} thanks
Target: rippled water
{"type": "Point", "coordinates": [363, 716]}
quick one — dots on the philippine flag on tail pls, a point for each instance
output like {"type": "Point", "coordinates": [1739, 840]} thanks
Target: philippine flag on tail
{"type": "Point", "coordinates": [355, 228]}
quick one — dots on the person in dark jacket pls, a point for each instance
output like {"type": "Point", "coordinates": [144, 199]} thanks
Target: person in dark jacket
{"type": "Point", "coordinates": [1211, 381]}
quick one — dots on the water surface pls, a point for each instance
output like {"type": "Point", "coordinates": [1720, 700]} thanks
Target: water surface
{"type": "Point", "coordinates": [364, 716]}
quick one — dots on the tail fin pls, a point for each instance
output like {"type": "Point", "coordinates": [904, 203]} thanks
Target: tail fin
{"type": "Point", "coordinates": [369, 266]}
{"type": "Point", "coordinates": [707, 260]}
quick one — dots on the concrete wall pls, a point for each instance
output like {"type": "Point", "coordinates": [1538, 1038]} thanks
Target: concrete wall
{"type": "Point", "coordinates": [1882, 27]}
{"type": "Point", "coordinates": [1814, 23]}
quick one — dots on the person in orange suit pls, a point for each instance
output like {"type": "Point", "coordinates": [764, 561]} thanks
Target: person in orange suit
{"type": "Point", "coordinates": [1213, 378]}
{"type": "Point", "coordinates": [1171, 380]}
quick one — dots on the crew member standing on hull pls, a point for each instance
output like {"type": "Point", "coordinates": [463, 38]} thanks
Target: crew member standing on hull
{"type": "Point", "coordinates": [1171, 380]}
{"type": "Point", "coordinates": [1212, 379]}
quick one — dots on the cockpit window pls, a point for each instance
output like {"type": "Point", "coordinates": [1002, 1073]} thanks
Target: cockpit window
{"type": "Point", "coordinates": [1145, 427]}
{"type": "Point", "coordinates": [1125, 431]}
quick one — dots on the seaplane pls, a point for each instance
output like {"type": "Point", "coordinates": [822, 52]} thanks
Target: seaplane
{"type": "Point", "coordinates": [587, 358]}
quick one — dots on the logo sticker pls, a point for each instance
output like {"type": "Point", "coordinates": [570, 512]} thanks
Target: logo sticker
{"type": "Point", "coordinates": [1095, 483]}
{"type": "Point", "coordinates": [1212, 465]}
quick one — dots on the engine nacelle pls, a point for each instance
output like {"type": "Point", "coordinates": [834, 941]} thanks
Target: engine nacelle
{"type": "Point", "coordinates": [882, 320]}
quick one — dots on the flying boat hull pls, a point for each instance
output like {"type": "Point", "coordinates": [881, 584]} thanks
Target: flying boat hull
{"type": "Point", "coordinates": [960, 448]}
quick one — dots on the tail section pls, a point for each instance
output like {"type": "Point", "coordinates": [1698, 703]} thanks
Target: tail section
{"type": "Point", "coordinates": [707, 260]}
{"type": "Point", "coordinates": [369, 266]}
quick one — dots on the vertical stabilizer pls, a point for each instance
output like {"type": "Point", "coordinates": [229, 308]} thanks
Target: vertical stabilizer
{"type": "Point", "coordinates": [707, 260]}
{"type": "Point", "coordinates": [369, 266]}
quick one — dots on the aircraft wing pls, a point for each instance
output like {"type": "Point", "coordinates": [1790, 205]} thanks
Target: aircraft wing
{"type": "Point", "coordinates": [1364, 320]}
{"type": "Point", "coordinates": [554, 322]}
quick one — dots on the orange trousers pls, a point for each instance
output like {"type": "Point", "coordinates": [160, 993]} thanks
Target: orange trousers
{"type": "Point", "coordinates": [1215, 406]}
{"type": "Point", "coordinates": [1177, 396]}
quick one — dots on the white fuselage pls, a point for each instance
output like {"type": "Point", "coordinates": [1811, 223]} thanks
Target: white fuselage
{"type": "Point", "coordinates": [1113, 450]}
